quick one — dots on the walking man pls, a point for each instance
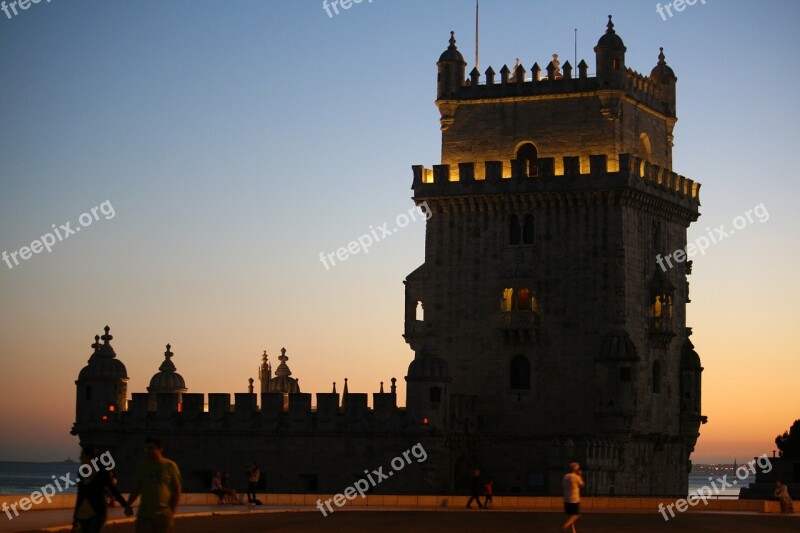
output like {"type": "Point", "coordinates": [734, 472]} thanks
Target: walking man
{"type": "Point", "coordinates": [572, 483]}
{"type": "Point", "coordinates": [158, 481]}
{"type": "Point", "coordinates": [476, 490]}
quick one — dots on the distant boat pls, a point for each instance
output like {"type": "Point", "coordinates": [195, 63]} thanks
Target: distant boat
{"type": "Point", "coordinates": [67, 461]}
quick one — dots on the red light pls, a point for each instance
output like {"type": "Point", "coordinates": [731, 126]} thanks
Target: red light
{"type": "Point", "coordinates": [112, 408]}
{"type": "Point", "coordinates": [425, 421]}
{"type": "Point", "coordinates": [105, 417]}
{"type": "Point", "coordinates": [180, 407]}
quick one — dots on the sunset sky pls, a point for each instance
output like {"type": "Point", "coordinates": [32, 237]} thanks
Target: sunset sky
{"type": "Point", "coordinates": [237, 140]}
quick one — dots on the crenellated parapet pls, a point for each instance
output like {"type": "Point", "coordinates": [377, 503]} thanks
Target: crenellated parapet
{"type": "Point", "coordinates": [638, 87]}
{"type": "Point", "coordinates": [278, 412]}
{"type": "Point", "coordinates": [551, 174]}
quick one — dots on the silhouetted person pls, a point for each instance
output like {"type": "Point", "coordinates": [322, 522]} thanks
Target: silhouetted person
{"type": "Point", "coordinates": [476, 489]}
{"type": "Point", "coordinates": [489, 490]}
{"type": "Point", "coordinates": [158, 481]}
{"type": "Point", "coordinates": [253, 473]}
{"type": "Point", "coordinates": [782, 494]}
{"type": "Point", "coordinates": [216, 487]}
{"type": "Point", "coordinates": [572, 483]}
{"type": "Point", "coordinates": [90, 507]}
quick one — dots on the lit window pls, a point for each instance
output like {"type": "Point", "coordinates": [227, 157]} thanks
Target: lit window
{"type": "Point", "coordinates": [506, 302]}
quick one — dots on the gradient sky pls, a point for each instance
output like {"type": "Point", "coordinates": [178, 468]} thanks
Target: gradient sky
{"type": "Point", "coordinates": [237, 140]}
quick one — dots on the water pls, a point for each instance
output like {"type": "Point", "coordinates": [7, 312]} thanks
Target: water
{"type": "Point", "coordinates": [698, 480]}
{"type": "Point", "coordinates": [24, 478]}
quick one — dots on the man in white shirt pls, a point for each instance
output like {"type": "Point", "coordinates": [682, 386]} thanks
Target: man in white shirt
{"type": "Point", "coordinates": [572, 483]}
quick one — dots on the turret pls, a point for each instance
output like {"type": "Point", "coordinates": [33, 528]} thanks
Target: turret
{"type": "Point", "coordinates": [427, 390]}
{"type": "Point", "coordinates": [450, 80]}
{"type": "Point", "coordinates": [102, 384]}
{"type": "Point", "coordinates": [690, 386]}
{"type": "Point", "coordinates": [452, 68]}
{"type": "Point", "coordinates": [610, 57]}
{"type": "Point", "coordinates": [167, 380]}
{"type": "Point", "coordinates": [615, 382]}
{"type": "Point", "coordinates": [663, 76]}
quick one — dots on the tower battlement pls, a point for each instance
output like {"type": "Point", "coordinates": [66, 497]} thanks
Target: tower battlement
{"type": "Point", "coordinates": [555, 174]}
{"type": "Point", "coordinates": [520, 84]}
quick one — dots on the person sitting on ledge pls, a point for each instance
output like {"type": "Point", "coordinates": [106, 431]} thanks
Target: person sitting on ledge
{"type": "Point", "coordinates": [216, 487]}
{"type": "Point", "coordinates": [782, 495]}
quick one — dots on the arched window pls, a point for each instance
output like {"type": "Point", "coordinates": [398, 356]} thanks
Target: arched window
{"type": "Point", "coordinates": [520, 372]}
{"type": "Point", "coordinates": [514, 230]}
{"type": "Point", "coordinates": [523, 300]}
{"type": "Point", "coordinates": [527, 229]}
{"type": "Point", "coordinates": [528, 156]}
{"type": "Point", "coordinates": [645, 151]}
{"type": "Point", "coordinates": [508, 298]}
{"type": "Point", "coordinates": [657, 377]}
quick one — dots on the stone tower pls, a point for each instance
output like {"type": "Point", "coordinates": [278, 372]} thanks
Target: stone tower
{"type": "Point", "coordinates": [558, 337]}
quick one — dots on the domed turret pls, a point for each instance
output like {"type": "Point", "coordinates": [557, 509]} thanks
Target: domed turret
{"type": "Point", "coordinates": [610, 58]}
{"type": "Point", "coordinates": [426, 392]}
{"type": "Point", "coordinates": [167, 379]}
{"type": "Point", "coordinates": [615, 381]}
{"type": "Point", "coordinates": [452, 71]}
{"type": "Point", "coordinates": [101, 384]}
{"type": "Point", "coordinates": [282, 382]}
{"type": "Point", "coordinates": [664, 77]}
{"type": "Point", "coordinates": [103, 364]}
{"type": "Point", "coordinates": [617, 346]}
{"type": "Point", "coordinates": [690, 389]}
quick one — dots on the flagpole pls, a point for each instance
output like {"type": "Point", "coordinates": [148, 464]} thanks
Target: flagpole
{"type": "Point", "coordinates": [477, 64]}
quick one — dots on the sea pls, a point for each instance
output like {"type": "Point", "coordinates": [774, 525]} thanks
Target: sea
{"type": "Point", "coordinates": [24, 478]}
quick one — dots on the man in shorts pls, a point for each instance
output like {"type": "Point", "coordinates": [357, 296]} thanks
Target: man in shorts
{"type": "Point", "coordinates": [572, 483]}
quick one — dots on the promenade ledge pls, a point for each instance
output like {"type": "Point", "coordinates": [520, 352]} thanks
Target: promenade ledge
{"type": "Point", "coordinates": [431, 503]}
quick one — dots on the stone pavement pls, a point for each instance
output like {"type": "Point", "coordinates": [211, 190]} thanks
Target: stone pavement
{"type": "Point", "coordinates": [217, 519]}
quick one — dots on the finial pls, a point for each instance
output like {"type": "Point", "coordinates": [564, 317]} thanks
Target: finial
{"type": "Point", "coordinates": [661, 57]}
{"type": "Point", "coordinates": [250, 387]}
{"type": "Point", "coordinates": [334, 387]}
{"type": "Point", "coordinates": [283, 357]}
{"type": "Point", "coordinates": [96, 344]}
{"type": "Point", "coordinates": [394, 386]}
{"type": "Point", "coordinates": [610, 26]}
{"type": "Point", "coordinates": [168, 365]}
{"type": "Point", "coordinates": [106, 337]}
{"type": "Point", "coordinates": [345, 387]}
{"type": "Point", "coordinates": [381, 387]}
{"type": "Point", "coordinates": [452, 41]}
{"type": "Point", "coordinates": [264, 357]}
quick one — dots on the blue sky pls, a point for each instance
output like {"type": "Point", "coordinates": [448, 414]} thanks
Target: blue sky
{"type": "Point", "coordinates": [238, 140]}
